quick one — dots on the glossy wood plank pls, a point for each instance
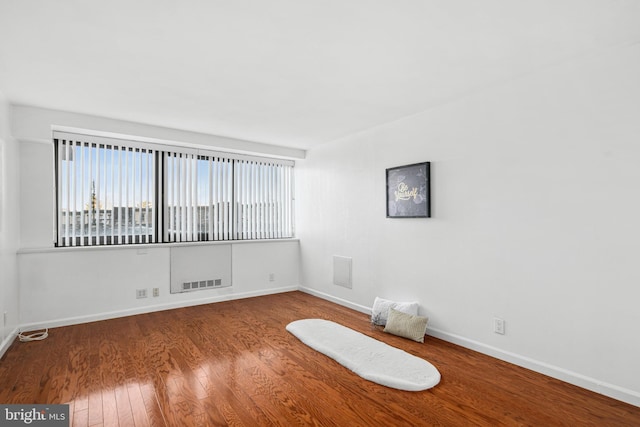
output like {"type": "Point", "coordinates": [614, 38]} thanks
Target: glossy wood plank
{"type": "Point", "coordinates": [233, 363]}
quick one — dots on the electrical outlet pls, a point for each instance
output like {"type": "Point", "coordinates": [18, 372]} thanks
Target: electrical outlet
{"type": "Point", "coordinates": [498, 325]}
{"type": "Point", "coordinates": [156, 292]}
{"type": "Point", "coordinates": [141, 293]}
{"type": "Point", "coordinates": [272, 277]}
{"type": "Point", "coordinates": [4, 319]}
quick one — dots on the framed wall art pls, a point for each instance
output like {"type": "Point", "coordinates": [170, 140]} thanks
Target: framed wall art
{"type": "Point", "coordinates": [409, 191]}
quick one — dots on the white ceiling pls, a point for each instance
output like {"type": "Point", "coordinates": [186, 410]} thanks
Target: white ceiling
{"type": "Point", "coordinates": [287, 72]}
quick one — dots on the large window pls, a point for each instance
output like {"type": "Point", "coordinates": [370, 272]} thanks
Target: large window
{"type": "Point", "coordinates": [111, 191]}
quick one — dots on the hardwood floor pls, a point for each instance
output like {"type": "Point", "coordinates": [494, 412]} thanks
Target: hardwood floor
{"type": "Point", "coordinates": [233, 363]}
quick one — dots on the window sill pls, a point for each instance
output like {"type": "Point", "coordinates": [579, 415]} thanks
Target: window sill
{"type": "Point", "coordinates": [145, 246]}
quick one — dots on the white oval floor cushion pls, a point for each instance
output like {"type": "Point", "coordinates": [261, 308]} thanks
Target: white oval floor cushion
{"type": "Point", "coordinates": [369, 358]}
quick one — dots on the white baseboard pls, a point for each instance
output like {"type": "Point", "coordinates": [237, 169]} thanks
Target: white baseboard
{"type": "Point", "coordinates": [592, 384]}
{"type": "Point", "coordinates": [9, 339]}
{"type": "Point", "coordinates": [340, 301]}
{"type": "Point", "coordinates": [611, 390]}
{"type": "Point", "coordinates": [54, 323]}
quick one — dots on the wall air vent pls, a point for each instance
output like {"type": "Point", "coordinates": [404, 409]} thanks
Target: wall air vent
{"type": "Point", "coordinates": [200, 267]}
{"type": "Point", "coordinates": [201, 284]}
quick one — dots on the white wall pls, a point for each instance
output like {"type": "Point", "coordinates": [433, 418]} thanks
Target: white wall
{"type": "Point", "coordinates": [66, 285]}
{"type": "Point", "coordinates": [34, 124]}
{"type": "Point", "coordinates": [535, 220]}
{"type": "Point", "coordinates": [9, 228]}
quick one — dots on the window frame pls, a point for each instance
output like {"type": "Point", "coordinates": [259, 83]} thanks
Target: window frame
{"type": "Point", "coordinates": [161, 152]}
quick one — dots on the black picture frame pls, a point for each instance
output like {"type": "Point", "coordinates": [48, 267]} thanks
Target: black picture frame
{"type": "Point", "coordinates": [409, 191]}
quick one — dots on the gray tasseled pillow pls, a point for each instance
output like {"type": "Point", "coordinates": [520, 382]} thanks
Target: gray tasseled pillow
{"type": "Point", "coordinates": [406, 325]}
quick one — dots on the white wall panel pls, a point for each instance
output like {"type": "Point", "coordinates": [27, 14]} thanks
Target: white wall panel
{"type": "Point", "coordinates": [200, 267]}
{"type": "Point", "coordinates": [9, 228]}
{"type": "Point", "coordinates": [267, 263]}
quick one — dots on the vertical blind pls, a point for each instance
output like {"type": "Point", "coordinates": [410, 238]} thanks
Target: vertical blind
{"type": "Point", "coordinates": [263, 205]}
{"type": "Point", "coordinates": [198, 197]}
{"type": "Point", "coordinates": [111, 191]}
{"type": "Point", "coordinates": [105, 192]}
